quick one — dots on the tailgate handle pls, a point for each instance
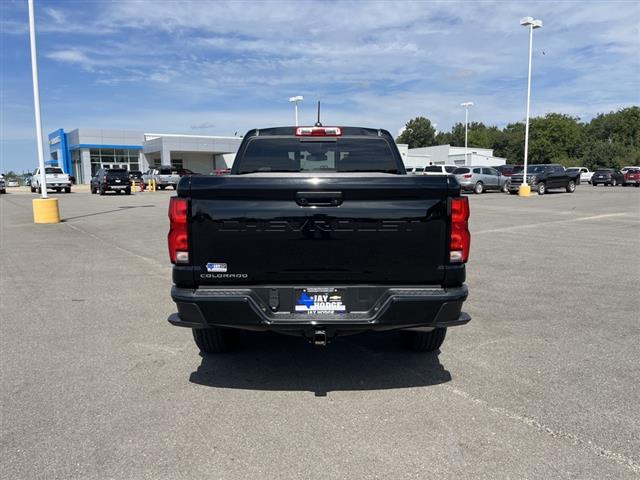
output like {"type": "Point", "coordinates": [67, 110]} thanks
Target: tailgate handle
{"type": "Point", "coordinates": [319, 199]}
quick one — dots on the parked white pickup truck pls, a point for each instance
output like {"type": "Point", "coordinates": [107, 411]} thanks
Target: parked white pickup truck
{"type": "Point", "coordinates": [56, 180]}
{"type": "Point", "coordinates": [585, 173]}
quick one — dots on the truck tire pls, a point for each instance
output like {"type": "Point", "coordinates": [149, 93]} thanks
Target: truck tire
{"type": "Point", "coordinates": [102, 191]}
{"type": "Point", "coordinates": [542, 188]}
{"type": "Point", "coordinates": [127, 191]}
{"type": "Point", "coordinates": [571, 187]}
{"type": "Point", "coordinates": [33, 189]}
{"type": "Point", "coordinates": [513, 192]}
{"type": "Point", "coordinates": [67, 190]}
{"type": "Point", "coordinates": [161, 187]}
{"type": "Point", "coordinates": [478, 188]}
{"type": "Point", "coordinates": [424, 341]}
{"type": "Point", "coordinates": [215, 339]}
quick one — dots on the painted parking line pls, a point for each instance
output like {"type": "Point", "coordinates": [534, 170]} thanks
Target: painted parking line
{"type": "Point", "coordinates": [553, 222]}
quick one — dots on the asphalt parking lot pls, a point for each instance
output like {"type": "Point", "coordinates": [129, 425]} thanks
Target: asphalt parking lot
{"type": "Point", "coordinates": [543, 383]}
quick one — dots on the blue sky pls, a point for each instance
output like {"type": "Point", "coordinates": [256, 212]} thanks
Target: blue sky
{"type": "Point", "coordinates": [221, 67]}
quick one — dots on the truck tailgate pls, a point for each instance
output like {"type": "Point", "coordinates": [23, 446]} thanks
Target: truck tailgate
{"type": "Point", "coordinates": [298, 229]}
{"type": "Point", "coordinates": [341, 228]}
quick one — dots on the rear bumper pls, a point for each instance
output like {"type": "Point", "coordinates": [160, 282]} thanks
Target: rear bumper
{"type": "Point", "coordinates": [254, 308]}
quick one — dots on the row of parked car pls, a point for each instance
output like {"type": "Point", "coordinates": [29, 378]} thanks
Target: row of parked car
{"type": "Point", "coordinates": [508, 178]}
{"type": "Point", "coordinates": [120, 179]}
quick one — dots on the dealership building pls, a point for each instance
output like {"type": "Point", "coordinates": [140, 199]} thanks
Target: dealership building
{"type": "Point", "coordinates": [83, 151]}
{"type": "Point", "coordinates": [449, 155]}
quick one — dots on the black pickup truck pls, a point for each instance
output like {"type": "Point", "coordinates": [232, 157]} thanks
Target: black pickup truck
{"type": "Point", "coordinates": [318, 232]}
{"type": "Point", "coordinates": [545, 177]}
{"type": "Point", "coordinates": [111, 180]}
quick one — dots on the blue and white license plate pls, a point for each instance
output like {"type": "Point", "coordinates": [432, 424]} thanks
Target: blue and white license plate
{"type": "Point", "coordinates": [320, 300]}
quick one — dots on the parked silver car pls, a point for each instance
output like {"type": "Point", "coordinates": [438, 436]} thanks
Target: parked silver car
{"type": "Point", "coordinates": [479, 179]}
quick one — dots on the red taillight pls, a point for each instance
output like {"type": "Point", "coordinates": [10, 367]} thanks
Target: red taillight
{"type": "Point", "coordinates": [178, 231]}
{"type": "Point", "coordinates": [318, 131]}
{"type": "Point", "coordinates": [460, 241]}
{"type": "Point", "coordinates": [468, 175]}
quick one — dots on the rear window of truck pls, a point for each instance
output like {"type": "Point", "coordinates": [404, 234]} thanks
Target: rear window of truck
{"type": "Point", "coordinates": [306, 155]}
{"type": "Point", "coordinates": [118, 172]}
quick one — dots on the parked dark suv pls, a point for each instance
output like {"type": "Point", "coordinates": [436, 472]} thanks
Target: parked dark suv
{"type": "Point", "coordinates": [607, 176]}
{"type": "Point", "coordinates": [111, 180]}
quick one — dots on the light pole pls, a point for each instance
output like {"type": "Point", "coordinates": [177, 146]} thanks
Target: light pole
{"type": "Point", "coordinates": [466, 106]}
{"type": "Point", "coordinates": [525, 189]}
{"type": "Point", "coordinates": [295, 100]}
{"type": "Point", "coordinates": [45, 210]}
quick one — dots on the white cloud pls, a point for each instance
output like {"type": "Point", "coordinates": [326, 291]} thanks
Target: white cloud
{"type": "Point", "coordinates": [73, 56]}
{"type": "Point", "coordinates": [56, 15]}
{"type": "Point", "coordinates": [233, 64]}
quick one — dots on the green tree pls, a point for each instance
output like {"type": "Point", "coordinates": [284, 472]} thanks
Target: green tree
{"type": "Point", "coordinates": [511, 143]}
{"type": "Point", "coordinates": [609, 154]}
{"type": "Point", "coordinates": [621, 127]}
{"type": "Point", "coordinates": [418, 133]}
{"type": "Point", "coordinates": [610, 139]}
{"type": "Point", "coordinates": [554, 138]}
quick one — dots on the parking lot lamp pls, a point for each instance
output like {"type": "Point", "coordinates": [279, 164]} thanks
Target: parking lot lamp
{"type": "Point", "coordinates": [525, 189]}
{"type": "Point", "coordinates": [466, 106]}
{"type": "Point", "coordinates": [295, 100]}
{"type": "Point", "coordinates": [45, 210]}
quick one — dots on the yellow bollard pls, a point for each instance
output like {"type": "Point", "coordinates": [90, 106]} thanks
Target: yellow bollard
{"type": "Point", "coordinates": [45, 210]}
{"type": "Point", "coordinates": [133, 186]}
{"type": "Point", "coordinates": [524, 190]}
{"type": "Point", "coordinates": [154, 184]}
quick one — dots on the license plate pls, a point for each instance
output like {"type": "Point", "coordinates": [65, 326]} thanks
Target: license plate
{"type": "Point", "coordinates": [319, 300]}
{"type": "Point", "coordinates": [118, 180]}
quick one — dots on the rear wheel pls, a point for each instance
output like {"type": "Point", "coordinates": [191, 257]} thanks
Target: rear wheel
{"type": "Point", "coordinates": [542, 188]}
{"type": "Point", "coordinates": [161, 187]}
{"type": "Point", "coordinates": [594, 184]}
{"type": "Point", "coordinates": [33, 190]}
{"type": "Point", "coordinates": [478, 188]}
{"type": "Point", "coordinates": [215, 339]}
{"type": "Point", "coordinates": [127, 191]}
{"type": "Point", "coordinates": [67, 190]}
{"type": "Point", "coordinates": [102, 191]}
{"type": "Point", "coordinates": [513, 192]}
{"type": "Point", "coordinates": [424, 341]}
{"type": "Point", "coordinates": [571, 187]}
